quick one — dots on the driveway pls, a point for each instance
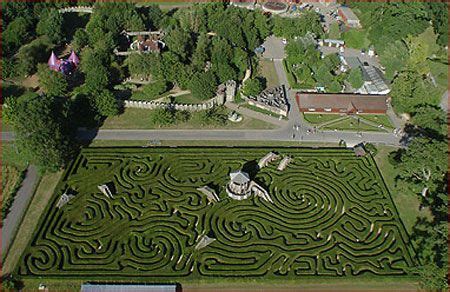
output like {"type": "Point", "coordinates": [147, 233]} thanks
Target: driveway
{"type": "Point", "coordinates": [274, 48]}
{"type": "Point", "coordinates": [18, 208]}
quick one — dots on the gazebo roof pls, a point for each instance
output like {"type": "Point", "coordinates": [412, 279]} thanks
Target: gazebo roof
{"type": "Point", "coordinates": [74, 58]}
{"type": "Point", "coordinates": [239, 177]}
{"type": "Point", "coordinates": [53, 60]}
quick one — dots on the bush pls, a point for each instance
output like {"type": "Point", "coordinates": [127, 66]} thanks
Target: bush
{"type": "Point", "coordinates": [163, 117]}
{"type": "Point", "coordinates": [154, 89]}
{"type": "Point", "coordinates": [214, 116]}
{"type": "Point", "coordinates": [253, 87]}
{"type": "Point", "coordinates": [371, 149]}
{"type": "Point", "coordinates": [182, 116]}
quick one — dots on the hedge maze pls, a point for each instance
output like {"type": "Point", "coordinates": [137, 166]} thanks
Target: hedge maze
{"type": "Point", "coordinates": [331, 216]}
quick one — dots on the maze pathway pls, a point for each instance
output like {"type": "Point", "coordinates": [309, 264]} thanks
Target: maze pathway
{"type": "Point", "coordinates": [331, 216]}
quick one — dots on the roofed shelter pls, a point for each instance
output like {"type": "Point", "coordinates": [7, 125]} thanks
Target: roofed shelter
{"type": "Point", "coordinates": [129, 288]}
{"type": "Point", "coordinates": [342, 103]}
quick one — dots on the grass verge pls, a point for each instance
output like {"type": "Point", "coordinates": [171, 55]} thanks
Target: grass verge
{"type": "Point", "coordinates": [29, 223]}
{"type": "Point", "coordinates": [142, 119]}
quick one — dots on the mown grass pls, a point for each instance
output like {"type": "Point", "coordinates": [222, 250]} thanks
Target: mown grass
{"type": "Point", "coordinates": [142, 119]}
{"type": "Point", "coordinates": [406, 202]}
{"type": "Point", "coordinates": [267, 70]}
{"type": "Point", "coordinates": [29, 223]}
{"type": "Point", "coordinates": [317, 119]}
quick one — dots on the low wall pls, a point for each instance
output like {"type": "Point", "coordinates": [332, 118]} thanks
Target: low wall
{"type": "Point", "coordinates": [182, 107]}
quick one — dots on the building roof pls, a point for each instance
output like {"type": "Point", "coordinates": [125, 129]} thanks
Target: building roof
{"type": "Point", "coordinates": [74, 58]}
{"type": "Point", "coordinates": [239, 177]}
{"type": "Point", "coordinates": [128, 288]}
{"type": "Point", "coordinates": [53, 61]}
{"type": "Point", "coordinates": [348, 13]}
{"type": "Point", "coordinates": [342, 101]}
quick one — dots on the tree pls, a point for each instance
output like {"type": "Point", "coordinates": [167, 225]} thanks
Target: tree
{"type": "Point", "coordinates": [53, 83]}
{"type": "Point", "coordinates": [355, 78]}
{"type": "Point", "coordinates": [152, 16]}
{"type": "Point", "coordinates": [423, 164]}
{"type": "Point", "coordinates": [179, 42]}
{"type": "Point", "coordinates": [42, 131]}
{"type": "Point", "coordinates": [410, 89]}
{"type": "Point", "coordinates": [33, 53]}
{"type": "Point", "coordinates": [299, 26]}
{"type": "Point", "coordinates": [253, 87]}
{"type": "Point", "coordinates": [203, 85]}
{"type": "Point", "coordinates": [97, 79]}
{"type": "Point", "coordinates": [323, 76]}
{"type": "Point", "coordinates": [80, 39]}
{"type": "Point", "coordinates": [106, 103]}
{"type": "Point", "coordinates": [394, 58]}
{"type": "Point", "coordinates": [163, 117]}
{"type": "Point", "coordinates": [334, 86]}
{"type": "Point", "coordinates": [16, 34]}
{"type": "Point", "coordinates": [214, 116]}
{"type": "Point", "coordinates": [439, 16]}
{"type": "Point", "coordinates": [201, 53]}
{"type": "Point", "coordinates": [51, 25]}
{"type": "Point", "coordinates": [432, 120]}
{"type": "Point", "coordinates": [154, 89]}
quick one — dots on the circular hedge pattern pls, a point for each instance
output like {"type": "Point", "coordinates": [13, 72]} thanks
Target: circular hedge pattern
{"type": "Point", "coordinates": [332, 215]}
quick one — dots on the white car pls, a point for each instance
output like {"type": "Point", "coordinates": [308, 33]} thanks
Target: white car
{"type": "Point", "coordinates": [284, 41]}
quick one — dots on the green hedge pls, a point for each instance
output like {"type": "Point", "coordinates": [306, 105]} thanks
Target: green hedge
{"type": "Point", "coordinates": [150, 229]}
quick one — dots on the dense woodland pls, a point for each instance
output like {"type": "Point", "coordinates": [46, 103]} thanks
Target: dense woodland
{"type": "Point", "coordinates": [407, 45]}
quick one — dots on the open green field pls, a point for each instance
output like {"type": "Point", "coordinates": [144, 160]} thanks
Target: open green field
{"type": "Point", "coordinates": [331, 216]}
{"type": "Point", "coordinates": [135, 118]}
{"type": "Point", "coordinates": [344, 122]}
{"type": "Point", "coordinates": [267, 70]}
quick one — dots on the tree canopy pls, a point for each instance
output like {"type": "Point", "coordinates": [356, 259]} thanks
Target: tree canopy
{"type": "Point", "coordinates": [41, 129]}
{"type": "Point", "coordinates": [53, 83]}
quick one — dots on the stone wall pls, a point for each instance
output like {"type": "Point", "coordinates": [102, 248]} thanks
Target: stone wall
{"type": "Point", "coordinates": [224, 93]}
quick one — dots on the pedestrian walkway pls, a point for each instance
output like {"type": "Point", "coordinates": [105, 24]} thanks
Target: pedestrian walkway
{"type": "Point", "coordinates": [18, 208]}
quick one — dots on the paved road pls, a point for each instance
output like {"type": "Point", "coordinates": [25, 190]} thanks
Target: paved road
{"type": "Point", "coordinates": [21, 201]}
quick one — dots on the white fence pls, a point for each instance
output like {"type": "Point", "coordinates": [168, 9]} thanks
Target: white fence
{"type": "Point", "coordinates": [78, 9]}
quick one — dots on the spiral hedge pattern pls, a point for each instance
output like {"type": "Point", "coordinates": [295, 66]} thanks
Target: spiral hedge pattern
{"type": "Point", "coordinates": [332, 215]}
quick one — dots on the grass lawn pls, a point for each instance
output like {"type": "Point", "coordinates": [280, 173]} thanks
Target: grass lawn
{"type": "Point", "coordinates": [188, 98]}
{"type": "Point", "coordinates": [267, 70]}
{"type": "Point", "coordinates": [407, 203]}
{"type": "Point", "coordinates": [306, 284]}
{"type": "Point", "coordinates": [350, 124]}
{"type": "Point", "coordinates": [28, 226]}
{"type": "Point", "coordinates": [152, 228]}
{"type": "Point", "coordinates": [356, 38]}
{"type": "Point", "coordinates": [134, 118]}
{"type": "Point", "coordinates": [316, 119]}
{"type": "Point", "coordinates": [378, 119]}
{"type": "Point", "coordinates": [139, 95]}
{"type": "Point", "coordinates": [263, 111]}
{"type": "Point", "coordinates": [440, 73]}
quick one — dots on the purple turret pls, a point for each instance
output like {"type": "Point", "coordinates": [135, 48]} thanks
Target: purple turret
{"type": "Point", "coordinates": [74, 59]}
{"type": "Point", "coordinates": [53, 62]}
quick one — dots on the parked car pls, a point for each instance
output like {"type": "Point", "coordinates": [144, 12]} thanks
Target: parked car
{"type": "Point", "coordinates": [284, 41]}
